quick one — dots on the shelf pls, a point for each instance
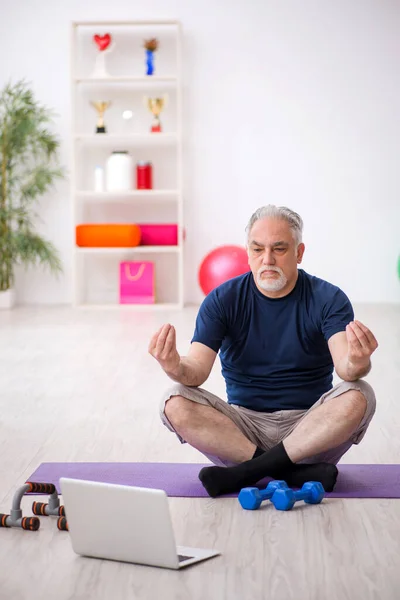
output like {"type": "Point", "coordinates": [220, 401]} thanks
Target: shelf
{"type": "Point", "coordinates": [163, 195]}
{"type": "Point", "coordinates": [144, 23]}
{"type": "Point", "coordinates": [128, 79]}
{"type": "Point", "coordinates": [135, 250]}
{"type": "Point", "coordinates": [134, 307]}
{"type": "Point", "coordinates": [106, 139]}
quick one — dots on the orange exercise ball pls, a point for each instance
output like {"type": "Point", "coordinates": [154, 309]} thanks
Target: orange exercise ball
{"type": "Point", "coordinates": [222, 264]}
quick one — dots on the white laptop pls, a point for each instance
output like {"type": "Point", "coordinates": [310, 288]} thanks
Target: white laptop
{"type": "Point", "coordinates": [124, 523]}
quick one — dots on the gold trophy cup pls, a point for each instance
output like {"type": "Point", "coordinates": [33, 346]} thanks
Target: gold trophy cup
{"type": "Point", "coordinates": [101, 108]}
{"type": "Point", "coordinates": [155, 106]}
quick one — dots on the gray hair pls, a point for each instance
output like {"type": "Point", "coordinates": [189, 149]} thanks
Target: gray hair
{"type": "Point", "coordinates": [278, 212]}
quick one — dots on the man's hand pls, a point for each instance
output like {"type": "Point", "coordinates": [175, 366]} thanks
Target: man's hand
{"type": "Point", "coordinates": [361, 344]}
{"type": "Point", "coordinates": [163, 347]}
{"type": "Point", "coordinates": [351, 351]}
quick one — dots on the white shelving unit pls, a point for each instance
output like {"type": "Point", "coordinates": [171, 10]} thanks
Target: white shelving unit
{"type": "Point", "coordinates": [96, 270]}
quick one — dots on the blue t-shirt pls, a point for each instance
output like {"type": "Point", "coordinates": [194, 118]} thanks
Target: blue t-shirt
{"type": "Point", "coordinates": [274, 351]}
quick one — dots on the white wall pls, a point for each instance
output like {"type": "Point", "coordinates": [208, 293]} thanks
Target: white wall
{"type": "Point", "coordinates": [287, 102]}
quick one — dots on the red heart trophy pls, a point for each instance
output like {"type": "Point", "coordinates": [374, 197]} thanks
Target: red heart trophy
{"type": "Point", "coordinates": [103, 43]}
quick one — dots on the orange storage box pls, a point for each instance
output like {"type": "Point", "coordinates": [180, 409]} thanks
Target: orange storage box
{"type": "Point", "coordinates": [108, 235]}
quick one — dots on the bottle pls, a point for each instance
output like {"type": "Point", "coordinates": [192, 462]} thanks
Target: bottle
{"type": "Point", "coordinates": [119, 171]}
{"type": "Point", "coordinates": [99, 179]}
{"type": "Point", "coordinates": [144, 175]}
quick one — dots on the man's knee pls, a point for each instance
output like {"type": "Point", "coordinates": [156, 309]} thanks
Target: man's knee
{"type": "Point", "coordinates": [360, 392]}
{"type": "Point", "coordinates": [368, 396]}
{"type": "Point", "coordinates": [364, 405]}
{"type": "Point", "coordinates": [178, 410]}
{"type": "Point", "coordinates": [172, 391]}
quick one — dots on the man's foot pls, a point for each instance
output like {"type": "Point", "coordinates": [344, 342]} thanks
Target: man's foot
{"type": "Point", "coordinates": [326, 473]}
{"type": "Point", "coordinates": [226, 480]}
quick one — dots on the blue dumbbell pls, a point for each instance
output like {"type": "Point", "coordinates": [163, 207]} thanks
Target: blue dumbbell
{"type": "Point", "coordinates": [312, 492]}
{"type": "Point", "coordinates": [250, 498]}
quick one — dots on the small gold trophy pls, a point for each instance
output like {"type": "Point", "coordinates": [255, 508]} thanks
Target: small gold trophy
{"type": "Point", "coordinates": [101, 108]}
{"type": "Point", "coordinates": [155, 106]}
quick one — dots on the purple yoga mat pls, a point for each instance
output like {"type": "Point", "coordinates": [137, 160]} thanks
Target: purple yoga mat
{"type": "Point", "coordinates": [181, 479]}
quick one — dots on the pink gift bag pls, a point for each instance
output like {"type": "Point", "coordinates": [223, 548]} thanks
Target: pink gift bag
{"type": "Point", "coordinates": [136, 283]}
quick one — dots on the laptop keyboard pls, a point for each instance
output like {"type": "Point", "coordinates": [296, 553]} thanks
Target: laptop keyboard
{"type": "Point", "coordinates": [181, 557]}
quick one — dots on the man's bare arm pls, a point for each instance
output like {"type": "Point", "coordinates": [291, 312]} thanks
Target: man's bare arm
{"type": "Point", "coordinates": [192, 370]}
{"type": "Point", "coordinates": [351, 351]}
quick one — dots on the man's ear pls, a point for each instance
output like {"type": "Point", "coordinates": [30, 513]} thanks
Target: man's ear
{"type": "Point", "coordinates": [300, 251]}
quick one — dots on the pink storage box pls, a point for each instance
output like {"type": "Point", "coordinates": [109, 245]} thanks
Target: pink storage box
{"type": "Point", "coordinates": [159, 235]}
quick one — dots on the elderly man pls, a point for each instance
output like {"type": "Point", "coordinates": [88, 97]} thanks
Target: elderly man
{"type": "Point", "coordinates": [280, 332]}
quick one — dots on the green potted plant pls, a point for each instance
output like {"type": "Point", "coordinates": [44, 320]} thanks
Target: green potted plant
{"type": "Point", "coordinates": [28, 169]}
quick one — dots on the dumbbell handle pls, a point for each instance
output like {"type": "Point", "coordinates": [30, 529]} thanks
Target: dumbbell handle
{"type": "Point", "coordinates": [269, 491]}
{"type": "Point", "coordinates": [267, 494]}
{"type": "Point", "coordinates": [302, 495]}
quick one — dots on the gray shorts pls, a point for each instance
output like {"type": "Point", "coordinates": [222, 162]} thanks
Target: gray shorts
{"type": "Point", "coordinates": [268, 429]}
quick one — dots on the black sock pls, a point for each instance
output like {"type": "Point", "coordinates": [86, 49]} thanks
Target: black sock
{"type": "Point", "coordinates": [325, 473]}
{"type": "Point", "coordinates": [274, 463]}
{"type": "Point", "coordinates": [223, 480]}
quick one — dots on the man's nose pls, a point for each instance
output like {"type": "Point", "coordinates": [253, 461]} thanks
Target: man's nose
{"type": "Point", "coordinates": [268, 258]}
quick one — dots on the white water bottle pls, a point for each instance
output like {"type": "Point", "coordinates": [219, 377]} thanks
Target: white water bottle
{"type": "Point", "coordinates": [119, 172]}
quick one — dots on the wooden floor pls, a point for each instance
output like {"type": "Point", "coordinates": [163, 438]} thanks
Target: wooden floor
{"type": "Point", "coordinates": [80, 386]}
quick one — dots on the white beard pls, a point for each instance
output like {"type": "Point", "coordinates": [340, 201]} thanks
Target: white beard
{"type": "Point", "coordinates": [273, 284]}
